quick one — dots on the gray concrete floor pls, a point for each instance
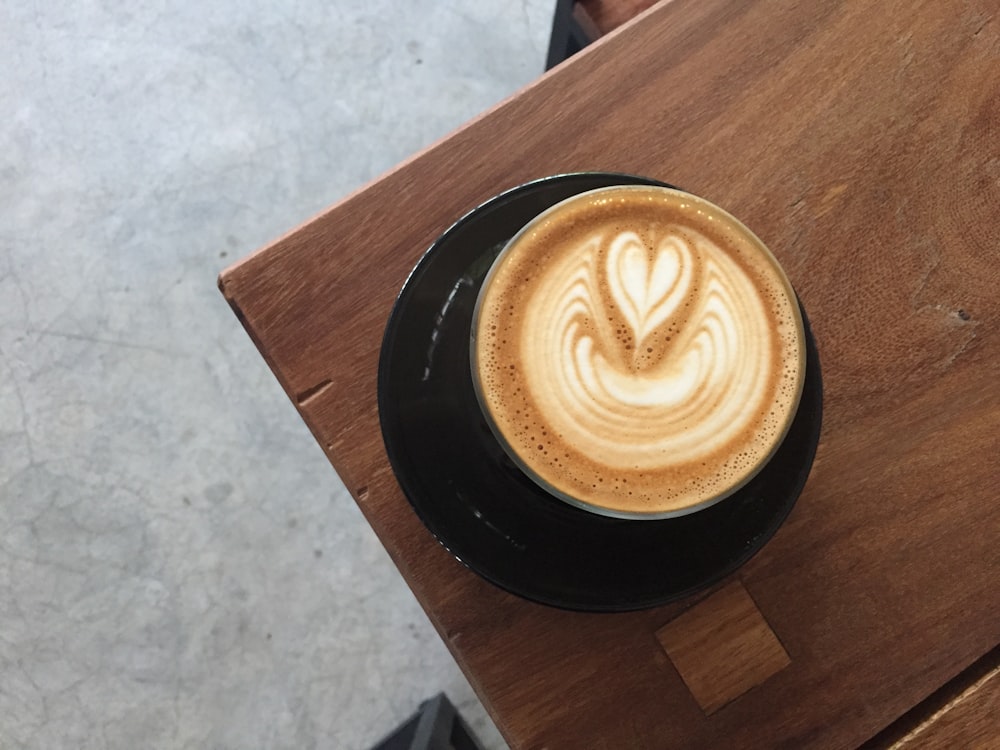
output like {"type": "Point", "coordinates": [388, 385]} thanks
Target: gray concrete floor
{"type": "Point", "coordinates": [179, 565]}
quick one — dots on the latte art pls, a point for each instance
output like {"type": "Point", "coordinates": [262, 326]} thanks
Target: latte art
{"type": "Point", "coordinates": [639, 351]}
{"type": "Point", "coordinates": [680, 371]}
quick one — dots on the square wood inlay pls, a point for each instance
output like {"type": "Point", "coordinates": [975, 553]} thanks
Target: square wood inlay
{"type": "Point", "coordinates": [722, 647]}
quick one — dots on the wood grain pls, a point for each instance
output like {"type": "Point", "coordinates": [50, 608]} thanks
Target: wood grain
{"type": "Point", "coordinates": [862, 143]}
{"type": "Point", "coordinates": [964, 713]}
{"type": "Point", "coordinates": [722, 647]}
{"type": "Point", "coordinates": [971, 721]}
{"type": "Point", "coordinates": [608, 15]}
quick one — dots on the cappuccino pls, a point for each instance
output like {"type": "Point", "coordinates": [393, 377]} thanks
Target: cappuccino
{"type": "Point", "coordinates": [638, 351]}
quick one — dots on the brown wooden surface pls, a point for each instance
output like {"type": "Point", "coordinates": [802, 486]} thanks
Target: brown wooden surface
{"type": "Point", "coordinates": [962, 715]}
{"type": "Point", "coordinates": [972, 721]}
{"type": "Point", "coordinates": [861, 141]}
{"type": "Point", "coordinates": [722, 647]}
{"type": "Point", "coordinates": [608, 15]}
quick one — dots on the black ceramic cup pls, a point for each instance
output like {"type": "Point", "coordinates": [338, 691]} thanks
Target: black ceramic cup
{"type": "Point", "coordinates": [483, 508]}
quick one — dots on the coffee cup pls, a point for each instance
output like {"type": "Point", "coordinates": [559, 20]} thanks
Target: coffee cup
{"type": "Point", "coordinates": [638, 352]}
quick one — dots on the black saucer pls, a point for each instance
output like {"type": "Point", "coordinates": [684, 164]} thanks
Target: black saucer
{"type": "Point", "coordinates": [478, 503]}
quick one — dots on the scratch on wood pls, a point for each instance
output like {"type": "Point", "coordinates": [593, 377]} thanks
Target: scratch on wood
{"type": "Point", "coordinates": [948, 361]}
{"type": "Point", "coordinates": [312, 391]}
{"type": "Point", "coordinates": [332, 446]}
{"type": "Point", "coordinates": [361, 493]}
{"type": "Point", "coordinates": [933, 262]}
{"type": "Point", "coordinates": [829, 200]}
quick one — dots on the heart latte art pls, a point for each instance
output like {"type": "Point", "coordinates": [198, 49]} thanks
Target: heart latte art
{"type": "Point", "coordinates": [638, 351]}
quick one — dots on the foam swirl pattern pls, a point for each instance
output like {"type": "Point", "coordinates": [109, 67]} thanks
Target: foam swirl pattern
{"type": "Point", "coordinates": [639, 353]}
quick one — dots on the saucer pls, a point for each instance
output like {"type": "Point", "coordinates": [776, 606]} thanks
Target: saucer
{"type": "Point", "coordinates": [478, 503]}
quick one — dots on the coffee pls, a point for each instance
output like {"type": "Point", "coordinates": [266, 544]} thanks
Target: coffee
{"type": "Point", "coordinates": [638, 351]}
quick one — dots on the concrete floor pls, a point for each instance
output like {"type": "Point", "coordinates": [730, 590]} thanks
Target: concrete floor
{"type": "Point", "coordinates": [179, 565]}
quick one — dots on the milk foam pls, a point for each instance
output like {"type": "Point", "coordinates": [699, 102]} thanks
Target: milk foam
{"type": "Point", "coordinates": [639, 350]}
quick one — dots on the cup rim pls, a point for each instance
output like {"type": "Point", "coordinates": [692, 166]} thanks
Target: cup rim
{"type": "Point", "coordinates": [601, 510]}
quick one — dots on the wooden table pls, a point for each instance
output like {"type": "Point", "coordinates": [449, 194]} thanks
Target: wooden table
{"type": "Point", "coordinates": [861, 141]}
